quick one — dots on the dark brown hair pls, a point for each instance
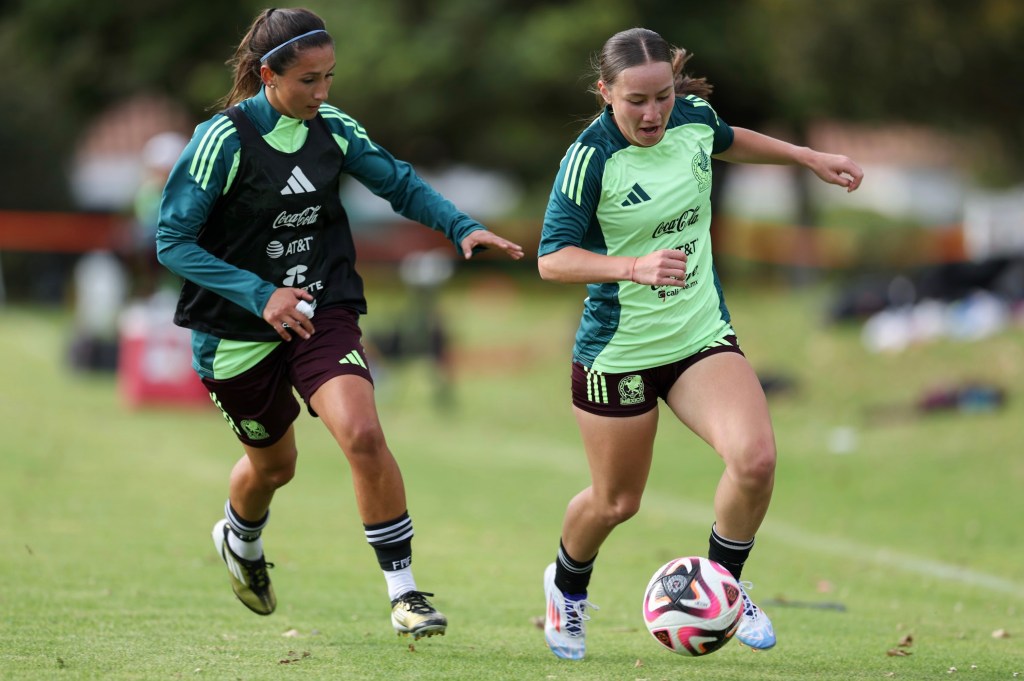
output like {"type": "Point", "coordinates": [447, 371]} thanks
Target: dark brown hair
{"type": "Point", "coordinates": [272, 28]}
{"type": "Point", "coordinates": [637, 46]}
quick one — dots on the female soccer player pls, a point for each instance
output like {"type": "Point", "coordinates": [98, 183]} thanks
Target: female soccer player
{"type": "Point", "coordinates": [629, 216]}
{"type": "Point", "coordinates": [252, 220]}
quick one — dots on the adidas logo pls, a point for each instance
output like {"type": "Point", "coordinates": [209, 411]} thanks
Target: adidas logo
{"type": "Point", "coordinates": [353, 358]}
{"type": "Point", "coordinates": [298, 183]}
{"type": "Point", "coordinates": [636, 195]}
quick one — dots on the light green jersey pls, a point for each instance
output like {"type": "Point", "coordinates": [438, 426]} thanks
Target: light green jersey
{"type": "Point", "coordinates": [614, 198]}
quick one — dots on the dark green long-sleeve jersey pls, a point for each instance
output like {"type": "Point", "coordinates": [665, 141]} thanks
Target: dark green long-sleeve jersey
{"type": "Point", "coordinates": [206, 172]}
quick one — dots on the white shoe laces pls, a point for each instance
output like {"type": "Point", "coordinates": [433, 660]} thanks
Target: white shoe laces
{"type": "Point", "coordinates": [576, 614]}
{"type": "Point", "coordinates": [749, 609]}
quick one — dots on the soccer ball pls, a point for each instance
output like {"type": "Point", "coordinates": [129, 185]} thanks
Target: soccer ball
{"type": "Point", "coordinates": [692, 606]}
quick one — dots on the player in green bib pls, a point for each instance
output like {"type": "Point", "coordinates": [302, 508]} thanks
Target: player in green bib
{"type": "Point", "coordinates": [630, 216]}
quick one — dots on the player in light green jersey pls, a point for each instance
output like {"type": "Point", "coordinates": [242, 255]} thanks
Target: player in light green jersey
{"type": "Point", "coordinates": [629, 216]}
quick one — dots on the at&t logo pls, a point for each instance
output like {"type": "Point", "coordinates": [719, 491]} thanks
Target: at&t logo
{"type": "Point", "coordinates": [275, 249]}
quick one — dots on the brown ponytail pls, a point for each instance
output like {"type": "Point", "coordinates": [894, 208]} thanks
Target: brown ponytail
{"type": "Point", "coordinates": [637, 46]}
{"type": "Point", "coordinates": [685, 84]}
{"type": "Point", "coordinates": [271, 28]}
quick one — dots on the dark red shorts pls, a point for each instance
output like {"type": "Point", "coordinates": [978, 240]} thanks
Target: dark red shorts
{"type": "Point", "coordinates": [260, 405]}
{"type": "Point", "coordinates": [635, 392]}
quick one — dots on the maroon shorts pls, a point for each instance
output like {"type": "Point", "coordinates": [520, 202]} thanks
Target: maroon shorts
{"type": "Point", "coordinates": [259, 404]}
{"type": "Point", "coordinates": [635, 392]}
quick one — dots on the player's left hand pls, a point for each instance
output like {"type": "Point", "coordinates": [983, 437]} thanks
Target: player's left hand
{"type": "Point", "coordinates": [836, 169]}
{"type": "Point", "coordinates": [482, 238]}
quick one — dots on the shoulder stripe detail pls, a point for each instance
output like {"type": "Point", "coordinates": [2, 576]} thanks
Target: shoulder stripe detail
{"type": "Point", "coordinates": [697, 102]}
{"type": "Point", "coordinates": [206, 154]}
{"type": "Point", "coordinates": [347, 121]}
{"type": "Point", "coordinates": [211, 132]}
{"type": "Point", "coordinates": [571, 158]}
{"type": "Point", "coordinates": [576, 171]}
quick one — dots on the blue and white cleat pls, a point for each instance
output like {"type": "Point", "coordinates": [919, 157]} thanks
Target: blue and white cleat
{"type": "Point", "coordinates": [565, 628]}
{"type": "Point", "coordinates": [755, 629]}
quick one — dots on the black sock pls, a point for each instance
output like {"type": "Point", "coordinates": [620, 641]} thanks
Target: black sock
{"type": "Point", "coordinates": [392, 540]}
{"type": "Point", "coordinates": [572, 576]}
{"type": "Point", "coordinates": [731, 554]}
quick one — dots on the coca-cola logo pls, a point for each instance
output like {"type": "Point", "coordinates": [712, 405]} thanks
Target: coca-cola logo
{"type": "Point", "coordinates": [688, 217]}
{"type": "Point", "coordinates": [309, 216]}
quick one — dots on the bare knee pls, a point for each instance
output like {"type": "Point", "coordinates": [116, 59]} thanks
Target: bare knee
{"type": "Point", "coordinates": [278, 473]}
{"type": "Point", "coordinates": [619, 509]}
{"type": "Point", "coordinates": [752, 463]}
{"type": "Point", "coordinates": [362, 440]}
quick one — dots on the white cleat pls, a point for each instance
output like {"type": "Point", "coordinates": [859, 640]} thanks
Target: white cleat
{"type": "Point", "coordinates": [755, 629]}
{"type": "Point", "coordinates": [565, 628]}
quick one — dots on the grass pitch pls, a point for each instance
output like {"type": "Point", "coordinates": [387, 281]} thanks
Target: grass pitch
{"type": "Point", "coordinates": [892, 549]}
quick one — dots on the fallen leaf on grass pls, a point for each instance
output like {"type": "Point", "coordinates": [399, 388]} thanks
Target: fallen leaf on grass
{"type": "Point", "coordinates": [906, 641]}
{"type": "Point", "coordinates": [291, 633]}
{"type": "Point", "coordinates": [638, 663]}
{"type": "Point", "coordinates": [295, 657]}
{"type": "Point", "coordinates": [898, 652]}
{"type": "Point", "coordinates": [537, 622]}
{"type": "Point", "coordinates": [412, 647]}
{"type": "Point", "coordinates": [1000, 633]}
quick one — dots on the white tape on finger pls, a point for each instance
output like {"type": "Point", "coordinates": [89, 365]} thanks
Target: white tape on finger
{"type": "Point", "coordinates": [305, 308]}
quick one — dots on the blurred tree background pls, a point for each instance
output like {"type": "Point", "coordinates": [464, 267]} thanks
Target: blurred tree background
{"type": "Point", "coordinates": [503, 84]}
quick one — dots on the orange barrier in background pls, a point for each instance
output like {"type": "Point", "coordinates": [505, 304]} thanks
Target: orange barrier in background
{"type": "Point", "coordinates": [53, 232]}
{"type": "Point", "coordinates": [828, 247]}
{"type": "Point", "coordinates": [755, 241]}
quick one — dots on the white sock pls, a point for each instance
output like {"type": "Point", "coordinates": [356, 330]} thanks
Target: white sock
{"type": "Point", "coordinates": [399, 582]}
{"type": "Point", "coordinates": [246, 550]}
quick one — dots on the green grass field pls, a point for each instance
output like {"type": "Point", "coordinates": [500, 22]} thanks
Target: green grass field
{"type": "Point", "coordinates": [913, 526]}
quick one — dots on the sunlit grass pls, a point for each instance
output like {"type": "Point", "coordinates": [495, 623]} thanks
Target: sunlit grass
{"type": "Point", "coordinates": [912, 525]}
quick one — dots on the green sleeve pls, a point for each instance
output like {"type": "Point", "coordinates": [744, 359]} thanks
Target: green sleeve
{"type": "Point", "coordinates": [573, 201]}
{"type": "Point", "coordinates": [195, 184]}
{"type": "Point", "coordinates": [396, 181]}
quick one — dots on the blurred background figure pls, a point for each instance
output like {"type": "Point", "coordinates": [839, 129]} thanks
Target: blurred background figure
{"type": "Point", "coordinates": [419, 330]}
{"type": "Point", "coordinates": [158, 157]}
{"type": "Point", "coordinates": [100, 291]}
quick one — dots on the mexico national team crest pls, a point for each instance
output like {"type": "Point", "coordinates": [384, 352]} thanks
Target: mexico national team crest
{"type": "Point", "coordinates": [701, 166]}
{"type": "Point", "coordinates": [254, 430]}
{"type": "Point", "coordinates": [631, 390]}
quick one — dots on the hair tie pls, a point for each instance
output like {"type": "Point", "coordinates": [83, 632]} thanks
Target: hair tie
{"type": "Point", "coordinates": [289, 42]}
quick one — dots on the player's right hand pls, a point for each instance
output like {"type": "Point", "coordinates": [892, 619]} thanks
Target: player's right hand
{"type": "Point", "coordinates": [661, 268]}
{"type": "Point", "coordinates": [281, 313]}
